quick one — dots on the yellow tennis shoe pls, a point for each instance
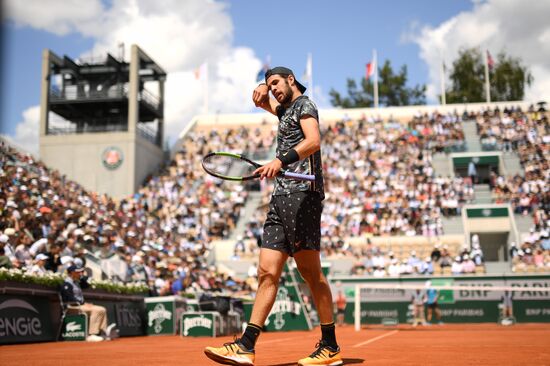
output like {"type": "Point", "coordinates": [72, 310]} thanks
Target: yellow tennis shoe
{"type": "Point", "coordinates": [323, 355]}
{"type": "Point", "coordinates": [232, 353]}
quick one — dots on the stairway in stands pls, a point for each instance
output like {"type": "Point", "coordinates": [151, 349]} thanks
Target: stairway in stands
{"type": "Point", "coordinates": [482, 194]}
{"type": "Point", "coordinates": [442, 165]}
{"type": "Point", "coordinates": [511, 163]}
{"type": "Point", "coordinates": [471, 136]}
{"type": "Point", "coordinates": [251, 205]}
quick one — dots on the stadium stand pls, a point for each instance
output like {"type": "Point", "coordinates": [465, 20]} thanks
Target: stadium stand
{"type": "Point", "coordinates": [383, 215]}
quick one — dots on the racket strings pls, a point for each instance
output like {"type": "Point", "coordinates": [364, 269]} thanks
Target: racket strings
{"type": "Point", "coordinates": [228, 166]}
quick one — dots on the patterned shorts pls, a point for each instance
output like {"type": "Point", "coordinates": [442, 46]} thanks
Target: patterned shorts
{"type": "Point", "coordinates": [293, 223]}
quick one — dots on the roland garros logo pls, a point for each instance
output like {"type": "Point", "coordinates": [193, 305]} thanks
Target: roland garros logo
{"type": "Point", "coordinates": [199, 321]}
{"type": "Point", "coordinates": [157, 316]}
{"type": "Point", "coordinates": [112, 157]}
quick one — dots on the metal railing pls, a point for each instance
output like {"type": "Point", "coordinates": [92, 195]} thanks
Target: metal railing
{"type": "Point", "coordinates": [78, 95]}
{"type": "Point", "coordinates": [148, 133]}
{"type": "Point", "coordinates": [113, 124]}
{"type": "Point", "coordinates": [149, 98]}
{"type": "Point", "coordinates": [110, 93]}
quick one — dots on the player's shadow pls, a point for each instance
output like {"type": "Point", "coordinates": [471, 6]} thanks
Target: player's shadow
{"type": "Point", "coordinates": [347, 361]}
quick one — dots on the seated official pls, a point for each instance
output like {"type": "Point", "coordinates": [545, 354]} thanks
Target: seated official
{"type": "Point", "coordinates": [71, 293]}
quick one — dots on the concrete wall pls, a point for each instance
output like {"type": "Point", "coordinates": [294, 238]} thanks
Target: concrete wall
{"type": "Point", "coordinates": [80, 157]}
{"type": "Point", "coordinates": [149, 159]}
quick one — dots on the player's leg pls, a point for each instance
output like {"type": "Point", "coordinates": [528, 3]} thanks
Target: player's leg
{"type": "Point", "coordinates": [327, 352]}
{"type": "Point", "coordinates": [241, 351]}
{"type": "Point", "coordinates": [309, 265]}
{"type": "Point", "coordinates": [269, 273]}
{"type": "Point", "coordinates": [272, 258]}
{"type": "Point", "coordinates": [429, 316]}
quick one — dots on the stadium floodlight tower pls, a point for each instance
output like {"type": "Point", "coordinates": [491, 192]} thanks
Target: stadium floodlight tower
{"type": "Point", "coordinates": [102, 121]}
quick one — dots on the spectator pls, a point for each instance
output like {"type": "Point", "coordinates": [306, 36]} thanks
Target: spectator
{"type": "Point", "coordinates": [431, 302]}
{"type": "Point", "coordinates": [468, 265]}
{"type": "Point", "coordinates": [456, 267]}
{"type": "Point", "coordinates": [71, 293]}
{"type": "Point", "coordinates": [418, 300]}
{"type": "Point", "coordinates": [472, 172]}
{"type": "Point", "coordinates": [38, 269]}
{"type": "Point", "coordinates": [341, 303]}
{"type": "Point", "coordinates": [5, 261]}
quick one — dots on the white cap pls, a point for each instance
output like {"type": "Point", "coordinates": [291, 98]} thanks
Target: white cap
{"type": "Point", "coordinates": [9, 231]}
{"type": "Point", "coordinates": [4, 238]}
{"type": "Point", "coordinates": [66, 259]}
{"type": "Point", "coordinates": [41, 257]}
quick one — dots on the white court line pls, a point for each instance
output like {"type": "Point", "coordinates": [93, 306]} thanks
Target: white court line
{"type": "Point", "coordinates": [376, 338]}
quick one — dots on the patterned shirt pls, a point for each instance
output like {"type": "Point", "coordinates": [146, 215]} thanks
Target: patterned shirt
{"type": "Point", "coordinates": [289, 135]}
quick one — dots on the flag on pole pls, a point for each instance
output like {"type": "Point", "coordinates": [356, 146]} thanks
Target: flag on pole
{"type": "Point", "coordinates": [490, 61]}
{"type": "Point", "coordinates": [442, 81]}
{"type": "Point", "coordinates": [308, 75]}
{"type": "Point", "coordinates": [370, 70]}
{"type": "Point", "coordinates": [374, 71]}
{"type": "Point", "coordinates": [308, 72]}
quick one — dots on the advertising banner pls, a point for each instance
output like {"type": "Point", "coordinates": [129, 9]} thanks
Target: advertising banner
{"type": "Point", "coordinates": [25, 319]}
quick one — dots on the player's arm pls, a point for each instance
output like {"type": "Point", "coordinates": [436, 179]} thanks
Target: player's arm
{"type": "Point", "coordinates": [309, 145]}
{"type": "Point", "coordinates": [312, 141]}
{"type": "Point", "coordinates": [261, 99]}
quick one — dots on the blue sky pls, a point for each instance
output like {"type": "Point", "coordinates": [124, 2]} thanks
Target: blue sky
{"type": "Point", "coordinates": [339, 34]}
{"type": "Point", "coordinates": [235, 37]}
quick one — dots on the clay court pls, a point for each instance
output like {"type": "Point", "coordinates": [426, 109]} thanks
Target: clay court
{"type": "Point", "coordinates": [474, 344]}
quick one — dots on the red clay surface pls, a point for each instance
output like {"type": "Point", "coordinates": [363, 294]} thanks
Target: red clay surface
{"type": "Point", "coordinates": [473, 344]}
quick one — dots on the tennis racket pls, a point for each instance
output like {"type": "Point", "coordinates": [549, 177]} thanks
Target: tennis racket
{"type": "Point", "coordinates": [223, 164]}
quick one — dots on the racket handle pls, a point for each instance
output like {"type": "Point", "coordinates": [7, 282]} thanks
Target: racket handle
{"type": "Point", "coordinates": [299, 176]}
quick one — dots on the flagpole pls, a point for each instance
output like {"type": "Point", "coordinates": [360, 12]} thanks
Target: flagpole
{"type": "Point", "coordinates": [375, 61]}
{"type": "Point", "coordinates": [442, 76]}
{"type": "Point", "coordinates": [487, 86]}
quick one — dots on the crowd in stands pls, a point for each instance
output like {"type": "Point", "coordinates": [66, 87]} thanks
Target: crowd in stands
{"type": "Point", "coordinates": [162, 234]}
{"type": "Point", "coordinates": [533, 253]}
{"type": "Point", "coordinates": [439, 132]}
{"type": "Point", "coordinates": [379, 181]}
{"type": "Point", "coordinates": [382, 182]}
{"type": "Point", "coordinates": [373, 261]}
{"type": "Point", "coordinates": [528, 135]}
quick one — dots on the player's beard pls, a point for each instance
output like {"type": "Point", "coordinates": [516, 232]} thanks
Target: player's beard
{"type": "Point", "coordinates": [289, 94]}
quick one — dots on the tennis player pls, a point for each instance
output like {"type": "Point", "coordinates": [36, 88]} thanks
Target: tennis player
{"type": "Point", "coordinates": [292, 227]}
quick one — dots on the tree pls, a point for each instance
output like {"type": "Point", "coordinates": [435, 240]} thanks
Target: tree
{"type": "Point", "coordinates": [508, 78]}
{"type": "Point", "coordinates": [392, 90]}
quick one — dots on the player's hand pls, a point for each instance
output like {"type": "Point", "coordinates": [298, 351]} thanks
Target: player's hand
{"type": "Point", "coordinates": [260, 96]}
{"type": "Point", "coordinates": [269, 170]}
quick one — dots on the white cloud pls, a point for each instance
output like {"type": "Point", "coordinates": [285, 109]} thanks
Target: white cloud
{"type": "Point", "coordinates": [56, 16]}
{"type": "Point", "coordinates": [519, 27]}
{"type": "Point", "coordinates": [26, 131]}
{"type": "Point", "coordinates": [179, 35]}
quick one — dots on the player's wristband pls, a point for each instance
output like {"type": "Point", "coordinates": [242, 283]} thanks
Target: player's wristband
{"type": "Point", "coordinates": [290, 157]}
